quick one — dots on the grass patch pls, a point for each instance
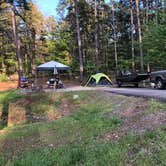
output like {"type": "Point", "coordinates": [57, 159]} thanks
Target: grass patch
{"type": "Point", "coordinates": [6, 97]}
{"type": "Point", "coordinates": [78, 139]}
{"type": "Point", "coordinates": [74, 154]}
{"type": "Point", "coordinates": [148, 149]}
{"type": "Point", "coordinates": [134, 150]}
{"type": "Point", "coordinates": [156, 105]}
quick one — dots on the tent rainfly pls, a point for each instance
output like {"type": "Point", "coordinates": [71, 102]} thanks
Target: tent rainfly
{"type": "Point", "coordinates": [99, 79]}
{"type": "Point", "coordinates": [52, 65]}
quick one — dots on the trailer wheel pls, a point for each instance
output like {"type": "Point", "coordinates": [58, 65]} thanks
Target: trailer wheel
{"type": "Point", "coordinates": [160, 84]}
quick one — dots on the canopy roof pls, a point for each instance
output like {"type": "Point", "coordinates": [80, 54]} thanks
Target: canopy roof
{"type": "Point", "coordinates": [51, 65]}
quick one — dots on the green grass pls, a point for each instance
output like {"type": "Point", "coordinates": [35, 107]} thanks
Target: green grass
{"type": "Point", "coordinates": [8, 96]}
{"type": "Point", "coordinates": [5, 98]}
{"type": "Point", "coordinates": [78, 139]}
{"type": "Point", "coordinates": [136, 150]}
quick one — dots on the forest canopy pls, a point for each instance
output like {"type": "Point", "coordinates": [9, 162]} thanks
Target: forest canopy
{"type": "Point", "coordinates": [89, 35]}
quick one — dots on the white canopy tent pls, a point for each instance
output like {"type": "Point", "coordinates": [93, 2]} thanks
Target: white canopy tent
{"type": "Point", "coordinates": [48, 69]}
{"type": "Point", "coordinates": [52, 66]}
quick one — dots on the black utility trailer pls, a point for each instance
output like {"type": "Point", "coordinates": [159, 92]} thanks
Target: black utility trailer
{"type": "Point", "coordinates": [127, 77]}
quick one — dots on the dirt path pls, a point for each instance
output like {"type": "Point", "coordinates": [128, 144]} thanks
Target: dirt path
{"type": "Point", "coordinates": [76, 88]}
{"type": "Point", "coordinates": [136, 118]}
{"type": "Point", "coordinates": [8, 85]}
{"type": "Point", "coordinates": [139, 92]}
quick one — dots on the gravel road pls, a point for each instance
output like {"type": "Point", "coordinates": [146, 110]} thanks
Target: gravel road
{"type": "Point", "coordinates": [139, 92]}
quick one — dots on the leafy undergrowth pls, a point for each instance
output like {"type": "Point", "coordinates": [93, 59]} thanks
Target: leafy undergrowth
{"type": "Point", "coordinates": [87, 132]}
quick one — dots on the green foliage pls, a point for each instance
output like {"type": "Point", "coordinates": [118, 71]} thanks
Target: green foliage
{"type": "Point", "coordinates": [44, 38]}
{"type": "Point", "coordinates": [58, 50]}
{"type": "Point", "coordinates": [3, 77]}
{"type": "Point", "coordinates": [155, 45]}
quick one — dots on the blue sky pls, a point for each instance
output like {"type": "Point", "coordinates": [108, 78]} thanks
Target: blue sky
{"type": "Point", "coordinates": [48, 7]}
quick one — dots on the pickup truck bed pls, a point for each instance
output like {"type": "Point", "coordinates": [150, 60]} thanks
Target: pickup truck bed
{"type": "Point", "coordinates": [132, 78]}
{"type": "Point", "coordinates": [158, 78]}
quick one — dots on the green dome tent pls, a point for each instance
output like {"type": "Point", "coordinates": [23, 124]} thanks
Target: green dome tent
{"type": "Point", "coordinates": [99, 79]}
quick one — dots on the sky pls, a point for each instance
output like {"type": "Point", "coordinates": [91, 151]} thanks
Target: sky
{"type": "Point", "coordinates": [48, 7]}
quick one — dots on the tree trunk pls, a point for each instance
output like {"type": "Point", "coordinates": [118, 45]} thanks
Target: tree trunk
{"type": "Point", "coordinates": [33, 66]}
{"type": "Point", "coordinates": [140, 36]}
{"type": "Point", "coordinates": [115, 44]}
{"type": "Point", "coordinates": [17, 43]}
{"type": "Point", "coordinates": [147, 11]}
{"type": "Point", "coordinates": [83, 49]}
{"type": "Point", "coordinates": [2, 53]}
{"type": "Point", "coordinates": [132, 35]}
{"type": "Point", "coordinates": [96, 38]}
{"type": "Point", "coordinates": [79, 42]}
{"type": "Point", "coordinates": [156, 10]}
{"type": "Point", "coordinates": [2, 66]}
{"type": "Point", "coordinates": [106, 56]}
{"type": "Point", "coordinates": [163, 9]}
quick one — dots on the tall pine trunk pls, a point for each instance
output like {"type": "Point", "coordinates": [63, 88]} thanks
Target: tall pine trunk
{"type": "Point", "coordinates": [164, 10]}
{"type": "Point", "coordinates": [96, 38]}
{"type": "Point", "coordinates": [2, 53]}
{"type": "Point", "coordinates": [17, 43]}
{"type": "Point", "coordinates": [33, 66]}
{"type": "Point", "coordinates": [114, 30]}
{"type": "Point", "coordinates": [156, 11]}
{"type": "Point", "coordinates": [132, 35]}
{"type": "Point", "coordinates": [147, 11]}
{"type": "Point", "coordinates": [140, 36]}
{"type": "Point", "coordinates": [79, 42]}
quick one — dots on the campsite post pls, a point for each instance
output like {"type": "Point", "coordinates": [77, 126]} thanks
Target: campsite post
{"type": "Point", "coordinates": [55, 70]}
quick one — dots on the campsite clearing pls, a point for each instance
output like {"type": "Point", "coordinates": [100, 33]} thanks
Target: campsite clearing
{"type": "Point", "coordinates": [93, 128]}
